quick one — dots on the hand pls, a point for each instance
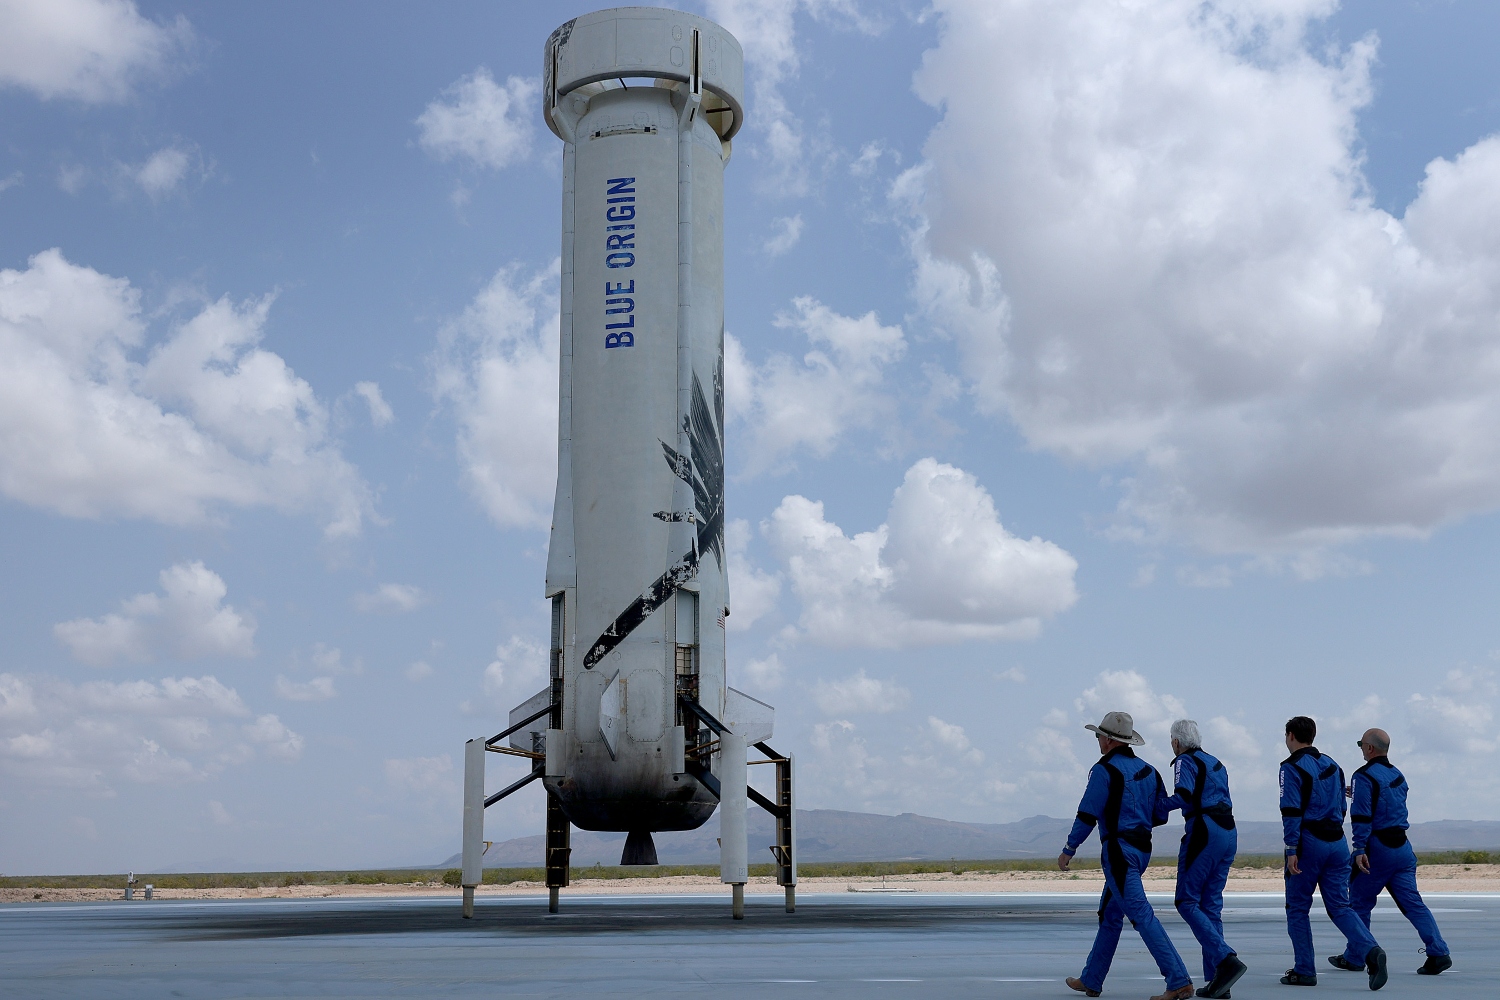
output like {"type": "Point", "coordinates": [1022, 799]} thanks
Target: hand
{"type": "Point", "coordinates": [1292, 866]}
{"type": "Point", "coordinates": [1362, 862]}
{"type": "Point", "coordinates": [1062, 861]}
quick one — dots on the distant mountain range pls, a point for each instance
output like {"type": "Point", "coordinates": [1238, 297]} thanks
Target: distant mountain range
{"type": "Point", "coordinates": [833, 835]}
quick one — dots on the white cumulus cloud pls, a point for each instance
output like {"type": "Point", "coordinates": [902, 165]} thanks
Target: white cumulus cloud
{"type": "Point", "coordinates": [188, 620]}
{"type": "Point", "coordinates": [420, 775]}
{"type": "Point", "coordinates": [941, 569]}
{"type": "Point", "coordinates": [163, 170]}
{"type": "Point", "coordinates": [517, 671]}
{"type": "Point", "coordinates": [94, 424]}
{"type": "Point", "coordinates": [317, 689]}
{"type": "Point", "coordinates": [1151, 236]}
{"type": "Point", "coordinates": [1129, 691]}
{"type": "Point", "coordinates": [767, 31]}
{"type": "Point", "coordinates": [952, 738]}
{"type": "Point", "coordinates": [765, 674]}
{"type": "Point", "coordinates": [271, 733]}
{"type": "Point", "coordinates": [482, 121]}
{"type": "Point", "coordinates": [95, 51]}
{"type": "Point", "coordinates": [785, 233]}
{"type": "Point", "coordinates": [753, 592]}
{"type": "Point", "coordinates": [381, 414]}
{"type": "Point", "coordinates": [496, 366]}
{"type": "Point", "coordinates": [859, 693]}
{"type": "Point", "coordinates": [391, 598]}
{"type": "Point", "coordinates": [809, 404]}
{"type": "Point", "coordinates": [96, 735]}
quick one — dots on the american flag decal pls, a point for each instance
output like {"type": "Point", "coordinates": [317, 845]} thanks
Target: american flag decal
{"type": "Point", "coordinates": [721, 619]}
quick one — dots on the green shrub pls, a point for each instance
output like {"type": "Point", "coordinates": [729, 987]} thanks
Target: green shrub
{"type": "Point", "coordinates": [453, 876]}
{"type": "Point", "coordinates": [1476, 857]}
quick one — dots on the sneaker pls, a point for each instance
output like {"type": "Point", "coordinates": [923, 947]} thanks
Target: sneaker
{"type": "Point", "coordinates": [1375, 966]}
{"type": "Point", "coordinates": [1435, 964]}
{"type": "Point", "coordinates": [1077, 984]}
{"type": "Point", "coordinates": [1203, 992]}
{"type": "Point", "coordinates": [1295, 978]}
{"type": "Point", "coordinates": [1226, 975]}
{"type": "Point", "coordinates": [1340, 962]}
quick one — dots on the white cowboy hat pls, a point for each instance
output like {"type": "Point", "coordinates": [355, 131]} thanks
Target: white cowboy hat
{"type": "Point", "coordinates": [1119, 726]}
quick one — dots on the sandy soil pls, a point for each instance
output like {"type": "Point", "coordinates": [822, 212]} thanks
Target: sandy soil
{"type": "Point", "coordinates": [1431, 878]}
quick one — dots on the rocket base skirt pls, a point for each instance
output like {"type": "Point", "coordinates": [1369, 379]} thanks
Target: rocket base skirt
{"type": "Point", "coordinates": [1125, 898]}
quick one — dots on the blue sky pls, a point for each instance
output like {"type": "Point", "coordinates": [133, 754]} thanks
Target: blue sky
{"type": "Point", "coordinates": [1089, 356]}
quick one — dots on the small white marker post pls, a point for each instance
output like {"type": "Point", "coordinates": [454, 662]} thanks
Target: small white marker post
{"type": "Point", "coordinates": [734, 867]}
{"type": "Point", "coordinates": [473, 848]}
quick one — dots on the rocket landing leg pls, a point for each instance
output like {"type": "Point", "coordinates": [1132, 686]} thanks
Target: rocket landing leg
{"type": "Point", "coordinates": [732, 790]}
{"type": "Point", "coordinates": [559, 837]}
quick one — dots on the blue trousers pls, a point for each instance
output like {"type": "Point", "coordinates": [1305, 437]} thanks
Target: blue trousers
{"type": "Point", "coordinates": [1202, 869]}
{"type": "Point", "coordinates": [1395, 868]}
{"type": "Point", "coordinates": [1124, 897]}
{"type": "Point", "coordinates": [1325, 866]}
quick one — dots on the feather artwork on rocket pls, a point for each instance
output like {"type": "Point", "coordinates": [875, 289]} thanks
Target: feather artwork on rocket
{"type": "Point", "coordinates": [703, 470]}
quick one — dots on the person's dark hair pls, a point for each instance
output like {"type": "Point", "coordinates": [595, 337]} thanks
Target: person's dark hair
{"type": "Point", "coordinates": [1303, 729]}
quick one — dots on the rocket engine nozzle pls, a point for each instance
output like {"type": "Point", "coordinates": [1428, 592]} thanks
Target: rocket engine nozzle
{"type": "Point", "coordinates": [640, 849]}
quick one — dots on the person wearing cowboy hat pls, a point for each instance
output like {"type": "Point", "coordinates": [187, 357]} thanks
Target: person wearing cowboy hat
{"type": "Point", "coordinates": [1125, 798]}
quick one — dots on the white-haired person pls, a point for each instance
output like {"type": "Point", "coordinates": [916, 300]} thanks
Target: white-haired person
{"type": "Point", "coordinates": [1201, 790]}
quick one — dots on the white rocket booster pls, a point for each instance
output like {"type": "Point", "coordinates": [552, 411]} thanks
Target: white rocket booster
{"type": "Point", "coordinates": [646, 101]}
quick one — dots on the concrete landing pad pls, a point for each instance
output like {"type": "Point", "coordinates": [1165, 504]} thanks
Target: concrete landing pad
{"type": "Point", "coordinates": [845, 945]}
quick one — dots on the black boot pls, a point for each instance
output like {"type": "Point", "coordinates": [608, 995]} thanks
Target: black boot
{"type": "Point", "coordinates": [1435, 964]}
{"type": "Point", "coordinates": [1295, 978]}
{"type": "Point", "coordinates": [1226, 975]}
{"type": "Point", "coordinates": [1375, 966]}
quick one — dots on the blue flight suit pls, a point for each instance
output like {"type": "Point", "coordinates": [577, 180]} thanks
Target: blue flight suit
{"type": "Point", "coordinates": [1379, 817]}
{"type": "Point", "coordinates": [1208, 847]}
{"type": "Point", "coordinates": [1312, 823]}
{"type": "Point", "coordinates": [1125, 798]}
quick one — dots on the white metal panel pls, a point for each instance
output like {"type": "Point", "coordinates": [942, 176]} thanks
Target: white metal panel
{"type": "Point", "coordinates": [587, 694]}
{"type": "Point", "coordinates": [611, 711]}
{"type": "Point", "coordinates": [473, 842]}
{"type": "Point", "coordinates": [751, 719]}
{"type": "Point", "coordinates": [733, 846]}
{"type": "Point", "coordinates": [646, 705]}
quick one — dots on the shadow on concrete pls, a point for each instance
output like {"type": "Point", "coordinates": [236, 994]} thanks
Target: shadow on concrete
{"type": "Point", "coordinates": [530, 918]}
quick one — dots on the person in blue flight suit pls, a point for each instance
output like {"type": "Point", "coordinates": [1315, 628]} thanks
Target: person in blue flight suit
{"type": "Point", "coordinates": [1312, 823]}
{"type": "Point", "coordinates": [1201, 791]}
{"type": "Point", "coordinates": [1383, 859]}
{"type": "Point", "coordinates": [1125, 798]}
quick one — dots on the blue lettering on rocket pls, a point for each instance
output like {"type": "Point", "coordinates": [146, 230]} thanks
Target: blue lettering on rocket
{"type": "Point", "coordinates": [619, 242]}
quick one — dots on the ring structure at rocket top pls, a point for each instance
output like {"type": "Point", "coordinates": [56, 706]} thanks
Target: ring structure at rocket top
{"type": "Point", "coordinates": [645, 101]}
